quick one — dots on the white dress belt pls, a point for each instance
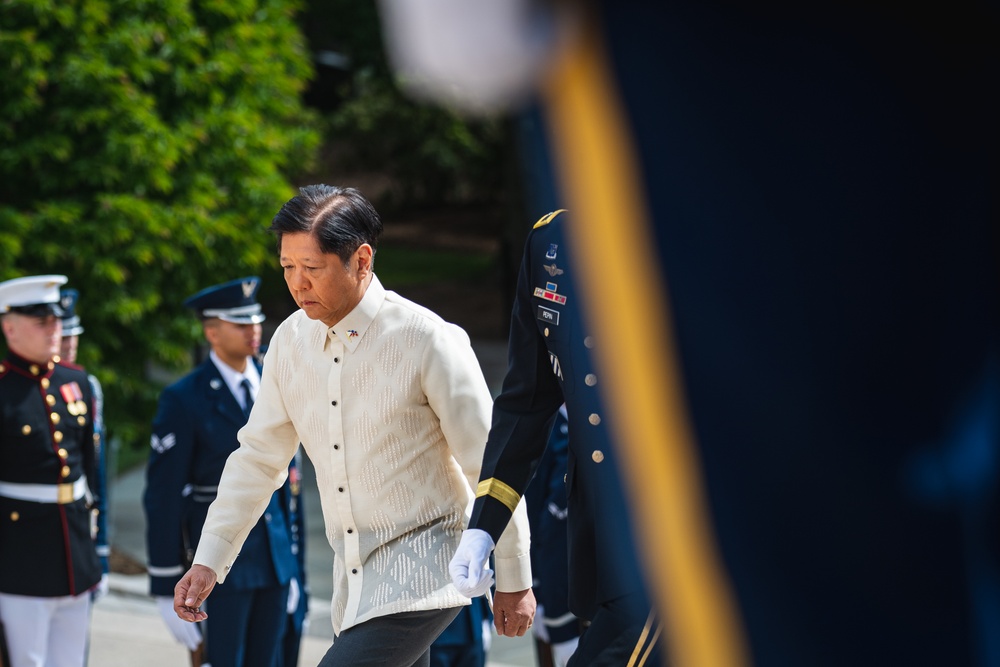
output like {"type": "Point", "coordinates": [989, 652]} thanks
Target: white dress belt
{"type": "Point", "coordinates": [61, 494]}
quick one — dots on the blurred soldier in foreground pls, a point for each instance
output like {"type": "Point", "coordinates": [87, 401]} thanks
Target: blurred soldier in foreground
{"type": "Point", "coordinates": [194, 432]}
{"type": "Point", "coordinates": [48, 561]}
{"type": "Point", "coordinates": [784, 227]}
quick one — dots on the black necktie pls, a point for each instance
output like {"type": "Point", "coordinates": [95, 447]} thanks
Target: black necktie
{"type": "Point", "coordinates": [247, 397]}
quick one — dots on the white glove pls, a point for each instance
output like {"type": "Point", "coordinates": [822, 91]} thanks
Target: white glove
{"type": "Point", "coordinates": [101, 589]}
{"type": "Point", "coordinates": [184, 632]}
{"type": "Point", "coordinates": [467, 568]}
{"type": "Point", "coordinates": [293, 596]}
{"type": "Point", "coordinates": [562, 651]}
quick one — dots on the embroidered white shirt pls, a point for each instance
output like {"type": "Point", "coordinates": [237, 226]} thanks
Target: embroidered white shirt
{"type": "Point", "coordinates": [391, 406]}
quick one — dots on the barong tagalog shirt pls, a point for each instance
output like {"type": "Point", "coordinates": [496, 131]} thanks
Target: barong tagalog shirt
{"type": "Point", "coordinates": [391, 407]}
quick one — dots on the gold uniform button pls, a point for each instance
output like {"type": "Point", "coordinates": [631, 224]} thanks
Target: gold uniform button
{"type": "Point", "coordinates": [97, 437]}
{"type": "Point", "coordinates": [55, 360]}
{"type": "Point", "coordinates": [26, 429]}
{"type": "Point", "coordinates": [51, 400]}
{"type": "Point", "coordinates": [52, 365]}
{"type": "Point", "coordinates": [14, 516]}
{"type": "Point", "coordinates": [546, 332]}
{"type": "Point", "coordinates": [590, 380]}
{"type": "Point", "coordinates": [81, 420]}
{"type": "Point", "coordinates": [54, 417]}
{"type": "Point", "coordinates": [34, 369]}
{"type": "Point", "coordinates": [45, 383]}
{"type": "Point", "coordinates": [57, 436]}
{"type": "Point", "coordinates": [594, 419]}
{"type": "Point", "coordinates": [63, 453]}
{"type": "Point", "coordinates": [598, 456]}
{"type": "Point", "coordinates": [589, 342]}
{"type": "Point", "coordinates": [65, 471]}
{"type": "Point", "coordinates": [2, 368]}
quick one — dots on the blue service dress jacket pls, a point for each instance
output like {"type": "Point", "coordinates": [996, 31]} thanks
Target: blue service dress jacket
{"type": "Point", "coordinates": [47, 449]}
{"type": "Point", "coordinates": [194, 432]}
{"type": "Point", "coordinates": [550, 363]}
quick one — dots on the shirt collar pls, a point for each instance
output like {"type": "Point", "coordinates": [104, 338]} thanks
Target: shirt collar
{"type": "Point", "coordinates": [352, 328]}
{"type": "Point", "coordinates": [234, 379]}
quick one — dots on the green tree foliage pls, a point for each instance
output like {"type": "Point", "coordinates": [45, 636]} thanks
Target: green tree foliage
{"type": "Point", "coordinates": [144, 147]}
{"type": "Point", "coordinates": [432, 156]}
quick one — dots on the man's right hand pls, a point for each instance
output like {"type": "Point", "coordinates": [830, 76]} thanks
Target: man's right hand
{"type": "Point", "coordinates": [467, 567]}
{"type": "Point", "coordinates": [191, 591]}
{"type": "Point", "coordinates": [185, 633]}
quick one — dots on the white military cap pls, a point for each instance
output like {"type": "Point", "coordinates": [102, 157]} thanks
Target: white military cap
{"type": "Point", "coordinates": [32, 295]}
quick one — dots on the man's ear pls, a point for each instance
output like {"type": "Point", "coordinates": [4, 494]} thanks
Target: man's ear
{"type": "Point", "coordinates": [364, 257]}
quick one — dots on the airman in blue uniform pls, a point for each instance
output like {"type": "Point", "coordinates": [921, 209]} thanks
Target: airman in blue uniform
{"type": "Point", "coordinates": [549, 364]}
{"type": "Point", "coordinates": [48, 561]}
{"type": "Point", "coordinates": [194, 432]}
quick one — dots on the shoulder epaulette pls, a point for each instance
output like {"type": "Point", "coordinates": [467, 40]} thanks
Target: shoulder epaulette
{"type": "Point", "coordinates": [547, 218]}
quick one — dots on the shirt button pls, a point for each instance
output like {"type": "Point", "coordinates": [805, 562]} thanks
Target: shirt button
{"type": "Point", "coordinates": [333, 402]}
{"type": "Point", "coordinates": [336, 360]}
{"type": "Point", "coordinates": [588, 342]}
{"type": "Point", "coordinates": [341, 489]}
{"type": "Point", "coordinates": [267, 517]}
{"type": "Point", "coordinates": [336, 446]}
{"type": "Point", "coordinates": [350, 530]}
{"type": "Point", "coordinates": [598, 456]}
{"type": "Point", "coordinates": [354, 571]}
{"type": "Point", "coordinates": [594, 419]}
{"type": "Point", "coordinates": [590, 380]}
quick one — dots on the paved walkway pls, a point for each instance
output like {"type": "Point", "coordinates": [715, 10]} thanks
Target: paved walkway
{"type": "Point", "coordinates": [127, 629]}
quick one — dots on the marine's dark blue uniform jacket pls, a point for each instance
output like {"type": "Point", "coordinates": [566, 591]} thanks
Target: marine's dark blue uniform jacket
{"type": "Point", "coordinates": [193, 433]}
{"type": "Point", "coordinates": [549, 363]}
{"type": "Point", "coordinates": [46, 439]}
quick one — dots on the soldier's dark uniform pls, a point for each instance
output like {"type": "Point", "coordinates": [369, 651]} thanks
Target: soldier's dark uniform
{"type": "Point", "coordinates": [46, 548]}
{"type": "Point", "coordinates": [550, 363]}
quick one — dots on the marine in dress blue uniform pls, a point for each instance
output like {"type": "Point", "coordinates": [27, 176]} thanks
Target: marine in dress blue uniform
{"type": "Point", "coordinates": [48, 560]}
{"type": "Point", "coordinates": [549, 364]}
{"type": "Point", "coordinates": [194, 432]}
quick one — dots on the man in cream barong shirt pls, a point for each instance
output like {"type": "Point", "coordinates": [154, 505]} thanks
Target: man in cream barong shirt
{"type": "Point", "coordinates": [390, 404]}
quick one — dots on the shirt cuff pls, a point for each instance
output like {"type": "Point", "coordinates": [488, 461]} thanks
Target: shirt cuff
{"type": "Point", "coordinates": [215, 553]}
{"type": "Point", "coordinates": [513, 574]}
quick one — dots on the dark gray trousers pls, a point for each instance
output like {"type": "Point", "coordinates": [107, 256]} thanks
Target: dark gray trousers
{"type": "Point", "coordinates": [398, 640]}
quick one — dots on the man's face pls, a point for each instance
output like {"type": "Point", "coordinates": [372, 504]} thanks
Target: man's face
{"type": "Point", "coordinates": [36, 339]}
{"type": "Point", "coordinates": [68, 347]}
{"type": "Point", "coordinates": [233, 342]}
{"type": "Point", "coordinates": [320, 283]}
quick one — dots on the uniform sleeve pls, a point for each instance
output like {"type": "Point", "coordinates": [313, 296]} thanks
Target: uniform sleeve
{"type": "Point", "coordinates": [167, 473]}
{"type": "Point", "coordinates": [252, 473]}
{"type": "Point", "coordinates": [522, 415]}
{"type": "Point", "coordinates": [456, 390]}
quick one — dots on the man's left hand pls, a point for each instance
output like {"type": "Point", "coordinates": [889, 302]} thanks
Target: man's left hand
{"type": "Point", "coordinates": [513, 613]}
